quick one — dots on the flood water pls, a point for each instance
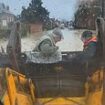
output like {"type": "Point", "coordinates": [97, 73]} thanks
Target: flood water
{"type": "Point", "coordinates": [71, 42]}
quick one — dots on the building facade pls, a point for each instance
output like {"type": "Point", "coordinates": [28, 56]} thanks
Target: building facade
{"type": "Point", "coordinates": [6, 17]}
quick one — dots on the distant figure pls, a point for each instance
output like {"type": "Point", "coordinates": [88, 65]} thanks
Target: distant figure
{"type": "Point", "coordinates": [46, 50]}
{"type": "Point", "coordinates": [89, 48]}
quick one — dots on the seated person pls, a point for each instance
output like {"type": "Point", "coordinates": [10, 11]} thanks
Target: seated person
{"type": "Point", "coordinates": [46, 50]}
{"type": "Point", "coordinates": [89, 48]}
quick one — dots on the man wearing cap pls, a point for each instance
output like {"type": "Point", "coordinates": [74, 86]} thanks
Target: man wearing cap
{"type": "Point", "coordinates": [46, 50]}
{"type": "Point", "coordinates": [47, 44]}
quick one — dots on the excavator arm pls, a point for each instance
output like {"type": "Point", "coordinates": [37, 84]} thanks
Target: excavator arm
{"type": "Point", "coordinates": [101, 32]}
{"type": "Point", "coordinates": [14, 45]}
{"type": "Point", "coordinates": [16, 88]}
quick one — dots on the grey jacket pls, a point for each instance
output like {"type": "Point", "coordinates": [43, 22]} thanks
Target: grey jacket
{"type": "Point", "coordinates": [46, 45]}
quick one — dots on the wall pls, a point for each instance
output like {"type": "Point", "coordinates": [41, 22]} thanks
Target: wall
{"type": "Point", "coordinates": [6, 19]}
{"type": "Point", "coordinates": [33, 28]}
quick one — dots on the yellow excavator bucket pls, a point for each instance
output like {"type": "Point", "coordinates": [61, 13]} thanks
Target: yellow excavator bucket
{"type": "Point", "coordinates": [93, 93]}
{"type": "Point", "coordinates": [18, 89]}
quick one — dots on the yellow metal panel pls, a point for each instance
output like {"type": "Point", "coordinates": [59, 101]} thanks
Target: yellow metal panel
{"type": "Point", "coordinates": [62, 101]}
{"type": "Point", "coordinates": [6, 100]}
{"type": "Point", "coordinates": [95, 98]}
{"type": "Point", "coordinates": [15, 96]}
{"type": "Point", "coordinates": [11, 89]}
{"type": "Point", "coordinates": [95, 95]}
{"type": "Point", "coordinates": [24, 99]}
{"type": "Point", "coordinates": [32, 90]}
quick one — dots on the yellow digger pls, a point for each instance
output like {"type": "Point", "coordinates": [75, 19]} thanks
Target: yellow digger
{"type": "Point", "coordinates": [15, 88]}
{"type": "Point", "coordinates": [52, 84]}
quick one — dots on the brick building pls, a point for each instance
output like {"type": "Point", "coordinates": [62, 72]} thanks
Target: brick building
{"type": "Point", "coordinates": [34, 28]}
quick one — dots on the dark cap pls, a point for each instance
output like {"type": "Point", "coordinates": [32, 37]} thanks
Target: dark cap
{"type": "Point", "coordinates": [87, 34]}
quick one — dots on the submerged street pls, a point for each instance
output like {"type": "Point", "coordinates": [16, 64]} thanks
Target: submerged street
{"type": "Point", "coordinates": [71, 42]}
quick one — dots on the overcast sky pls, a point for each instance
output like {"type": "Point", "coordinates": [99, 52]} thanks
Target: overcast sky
{"type": "Point", "coordinates": [61, 9]}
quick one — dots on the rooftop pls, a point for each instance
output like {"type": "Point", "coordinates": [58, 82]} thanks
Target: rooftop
{"type": "Point", "coordinates": [4, 8]}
